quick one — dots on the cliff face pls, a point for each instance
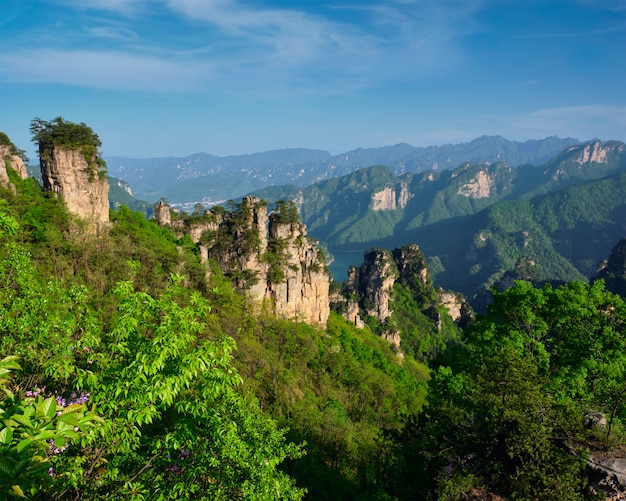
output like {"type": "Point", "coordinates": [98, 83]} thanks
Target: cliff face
{"type": "Point", "coordinates": [304, 291]}
{"type": "Point", "coordinates": [9, 160]}
{"type": "Point", "coordinates": [370, 290]}
{"type": "Point", "coordinates": [67, 173]}
{"type": "Point", "coordinates": [268, 258]}
{"type": "Point", "coordinates": [391, 198]}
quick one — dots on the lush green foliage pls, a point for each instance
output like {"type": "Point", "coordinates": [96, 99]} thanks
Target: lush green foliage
{"type": "Point", "coordinates": [33, 428]}
{"type": "Point", "coordinates": [60, 132]}
{"type": "Point", "coordinates": [506, 409]}
{"type": "Point", "coordinates": [201, 397]}
{"type": "Point", "coordinates": [479, 221]}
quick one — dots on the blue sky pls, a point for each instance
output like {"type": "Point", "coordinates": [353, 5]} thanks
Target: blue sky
{"type": "Point", "coordinates": [176, 77]}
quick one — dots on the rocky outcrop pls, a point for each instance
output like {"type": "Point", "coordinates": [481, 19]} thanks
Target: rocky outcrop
{"type": "Point", "coordinates": [457, 307]}
{"type": "Point", "coordinates": [303, 293]}
{"type": "Point", "coordinates": [67, 173]}
{"type": "Point", "coordinates": [376, 278]}
{"type": "Point", "coordinates": [390, 198]}
{"type": "Point", "coordinates": [613, 270]}
{"type": "Point", "coordinates": [478, 187]}
{"type": "Point", "coordinates": [371, 288]}
{"type": "Point", "coordinates": [268, 257]}
{"type": "Point", "coordinates": [596, 152]}
{"type": "Point", "coordinates": [162, 214]}
{"type": "Point", "coordinates": [10, 160]}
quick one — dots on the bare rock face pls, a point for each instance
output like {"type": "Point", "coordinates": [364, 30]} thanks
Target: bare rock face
{"type": "Point", "coordinates": [376, 278]}
{"type": "Point", "coordinates": [457, 307]}
{"type": "Point", "coordinates": [67, 173]}
{"type": "Point", "coordinates": [390, 198]}
{"type": "Point", "coordinates": [303, 294]}
{"type": "Point", "coordinates": [596, 152]}
{"type": "Point", "coordinates": [384, 199]}
{"type": "Point", "coordinates": [478, 187]}
{"type": "Point", "coordinates": [269, 260]}
{"type": "Point", "coordinates": [162, 214]}
{"type": "Point", "coordinates": [9, 160]}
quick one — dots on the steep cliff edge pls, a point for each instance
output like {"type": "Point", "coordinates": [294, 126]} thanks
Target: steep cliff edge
{"type": "Point", "coordinates": [67, 173]}
{"type": "Point", "coordinates": [10, 158]}
{"type": "Point", "coordinates": [72, 168]}
{"type": "Point", "coordinates": [389, 281]}
{"type": "Point", "coordinates": [267, 256]}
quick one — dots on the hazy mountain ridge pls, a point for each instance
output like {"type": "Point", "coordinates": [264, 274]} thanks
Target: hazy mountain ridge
{"type": "Point", "coordinates": [477, 221]}
{"type": "Point", "coordinates": [211, 179]}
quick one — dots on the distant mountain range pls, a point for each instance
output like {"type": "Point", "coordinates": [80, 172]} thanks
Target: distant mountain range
{"type": "Point", "coordinates": [212, 179]}
{"type": "Point", "coordinates": [478, 222]}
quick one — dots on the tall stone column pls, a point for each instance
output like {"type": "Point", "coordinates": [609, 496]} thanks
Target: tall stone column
{"type": "Point", "coordinates": [67, 173]}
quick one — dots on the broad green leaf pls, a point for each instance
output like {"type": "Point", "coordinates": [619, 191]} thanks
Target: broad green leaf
{"type": "Point", "coordinates": [6, 436]}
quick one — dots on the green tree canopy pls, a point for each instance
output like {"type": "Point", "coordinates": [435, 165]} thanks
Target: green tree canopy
{"type": "Point", "coordinates": [60, 132]}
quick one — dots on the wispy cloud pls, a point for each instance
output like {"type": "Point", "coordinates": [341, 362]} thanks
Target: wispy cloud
{"type": "Point", "coordinates": [255, 48]}
{"type": "Point", "coordinates": [103, 70]}
{"type": "Point", "coordinates": [576, 34]}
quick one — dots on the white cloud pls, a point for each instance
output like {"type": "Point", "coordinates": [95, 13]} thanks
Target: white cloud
{"type": "Point", "coordinates": [105, 70]}
{"type": "Point", "coordinates": [249, 48]}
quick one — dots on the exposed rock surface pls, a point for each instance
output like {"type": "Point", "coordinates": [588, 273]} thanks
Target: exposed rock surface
{"type": "Point", "coordinates": [376, 278]}
{"type": "Point", "coordinates": [162, 213]}
{"type": "Point", "coordinates": [268, 258]}
{"type": "Point", "coordinates": [595, 152]}
{"type": "Point", "coordinates": [304, 292]}
{"type": "Point", "coordinates": [390, 198]}
{"type": "Point", "coordinates": [9, 160]}
{"type": "Point", "coordinates": [478, 187]}
{"type": "Point", "coordinates": [371, 286]}
{"type": "Point", "coordinates": [67, 173]}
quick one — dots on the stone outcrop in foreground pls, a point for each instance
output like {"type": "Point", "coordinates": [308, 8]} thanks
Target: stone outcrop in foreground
{"type": "Point", "coordinates": [67, 173]}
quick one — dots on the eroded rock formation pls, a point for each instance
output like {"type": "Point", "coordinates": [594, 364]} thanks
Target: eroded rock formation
{"type": "Point", "coordinates": [9, 160]}
{"type": "Point", "coordinates": [268, 257]}
{"type": "Point", "coordinates": [67, 173]}
{"type": "Point", "coordinates": [390, 198]}
{"type": "Point", "coordinates": [369, 290]}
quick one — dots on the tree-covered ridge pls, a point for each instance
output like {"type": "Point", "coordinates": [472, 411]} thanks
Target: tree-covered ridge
{"type": "Point", "coordinates": [456, 215]}
{"type": "Point", "coordinates": [562, 236]}
{"type": "Point", "coordinates": [210, 178]}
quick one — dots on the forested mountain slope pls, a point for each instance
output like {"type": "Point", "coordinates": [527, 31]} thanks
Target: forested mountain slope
{"type": "Point", "coordinates": [477, 221]}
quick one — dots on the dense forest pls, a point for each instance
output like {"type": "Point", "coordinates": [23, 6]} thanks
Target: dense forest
{"type": "Point", "coordinates": [132, 370]}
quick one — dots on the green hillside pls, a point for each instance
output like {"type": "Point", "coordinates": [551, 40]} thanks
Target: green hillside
{"type": "Point", "coordinates": [131, 370]}
{"type": "Point", "coordinates": [195, 397]}
{"type": "Point", "coordinates": [477, 222]}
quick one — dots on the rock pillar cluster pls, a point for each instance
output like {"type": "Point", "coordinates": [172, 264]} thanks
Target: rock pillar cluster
{"type": "Point", "coordinates": [268, 259]}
